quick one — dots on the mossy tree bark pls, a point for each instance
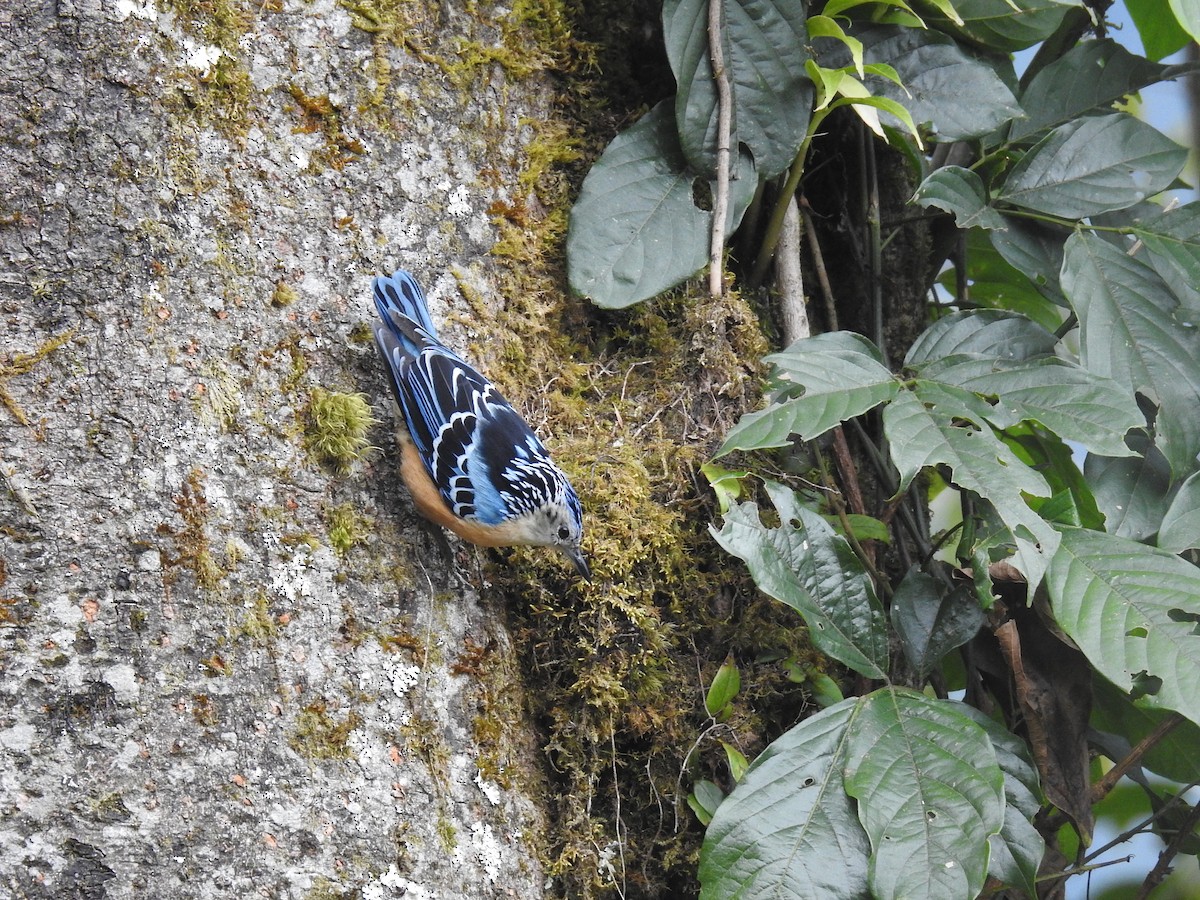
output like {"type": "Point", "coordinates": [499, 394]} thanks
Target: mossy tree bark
{"type": "Point", "coordinates": [231, 665]}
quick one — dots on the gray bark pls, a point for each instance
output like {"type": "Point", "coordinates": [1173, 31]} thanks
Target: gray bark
{"type": "Point", "coordinates": [200, 697]}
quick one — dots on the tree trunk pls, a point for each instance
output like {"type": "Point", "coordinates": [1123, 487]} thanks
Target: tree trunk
{"type": "Point", "coordinates": [233, 664]}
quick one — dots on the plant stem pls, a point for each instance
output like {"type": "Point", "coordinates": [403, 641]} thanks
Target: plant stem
{"type": "Point", "coordinates": [716, 50]}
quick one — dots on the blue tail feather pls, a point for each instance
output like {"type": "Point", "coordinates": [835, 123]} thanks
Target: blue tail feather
{"type": "Point", "coordinates": [400, 292]}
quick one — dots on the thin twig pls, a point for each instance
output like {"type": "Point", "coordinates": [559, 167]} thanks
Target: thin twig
{"type": "Point", "coordinates": [1134, 757]}
{"type": "Point", "coordinates": [814, 246]}
{"type": "Point", "coordinates": [716, 51]}
{"type": "Point", "coordinates": [1162, 868]}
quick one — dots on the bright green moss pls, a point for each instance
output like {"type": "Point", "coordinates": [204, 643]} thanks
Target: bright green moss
{"type": "Point", "coordinates": [336, 427]}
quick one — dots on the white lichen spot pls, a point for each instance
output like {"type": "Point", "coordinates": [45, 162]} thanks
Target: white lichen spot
{"type": "Point", "coordinates": [485, 847]}
{"type": "Point", "coordinates": [141, 9]}
{"type": "Point", "coordinates": [458, 204]}
{"type": "Point", "coordinates": [392, 884]}
{"type": "Point", "coordinates": [404, 678]}
{"type": "Point", "coordinates": [201, 57]}
{"type": "Point", "coordinates": [490, 789]}
{"type": "Point", "coordinates": [123, 680]}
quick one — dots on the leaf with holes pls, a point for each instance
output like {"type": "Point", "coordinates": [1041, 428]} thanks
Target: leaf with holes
{"type": "Point", "coordinates": [1133, 331]}
{"type": "Point", "coordinates": [1180, 529]}
{"type": "Point", "coordinates": [930, 794]}
{"type": "Point", "coordinates": [804, 564]}
{"type": "Point", "coordinates": [764, 50]}
{"type": "Point", "coordinates": [1074, 403]}
{"type": "Point", "coordinates": [1134, 611]}
{"type": "Point", "coordinates": [937, 424]}
{"type": "Point", "coordinates": [788, 829]}
{"type": "Point", "coordinates": [1018, 848]}
{"type": "Point", "coordinates": [635, 229]}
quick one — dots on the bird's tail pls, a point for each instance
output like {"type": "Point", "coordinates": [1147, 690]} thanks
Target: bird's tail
{"type": "Point", "coordinates": [400, 293]}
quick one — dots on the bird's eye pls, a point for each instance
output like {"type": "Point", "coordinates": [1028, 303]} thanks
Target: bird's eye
{"type": "Point", "coordinates": [563, 532]}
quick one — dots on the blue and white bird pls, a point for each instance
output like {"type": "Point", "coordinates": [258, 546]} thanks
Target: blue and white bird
{"type": "Point", "coordinates": [471, 463]}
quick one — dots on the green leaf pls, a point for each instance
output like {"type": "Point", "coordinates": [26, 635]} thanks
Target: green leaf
{"type": "Point", "coordinates": [1070, 401]}
{"type": "Point", "coordinates": [1174, 756]}
{"type": "Point", "coordinates": [804, 564]}
{"type": "Point", "coordinates": [635, 229]}
{"type": "Point", "coordinates": [1093, 165]}
{"type": "Point", "coordinates": [726, 483]}
{"type": "Point", "coordinates": [1008, 25]}
{"type": "Point", "coordinates": [1056, 462]}
{"type": "Point", "coordinates": [705, 799]}
{"type": "Point", "coordinates": [961, 192]}
{"type": "Point", "coordinates": [788, 829]}
{"type": "Point", "coordinates": [1173, 238]}
{"type": "Point", "coordinates": [1092, 75]}
{"type": "Point", "coordinates": [988, 332]}
{"type": "Point", "coordinates": [1131, 330]}
{"type": "Point", "coordinates": [1133, 611]}
{"type": "Point", "coordinates": [1133, 493]}
{"type": "Point", "coordinates": [765, 51]}
{"type": "Point", "coordinates": [940, 83]}
{"type": "Point", "coordinates": [1187, 14]}
{"type": "Point", "coordinates": [840, 375]}
{"type": "Point", "coordinates": [725, 686]}
{"type": "Point", "coordinates": [1161, 34]}
{"type": "Point", "coordinates": [824, 26]}
{"type": "Point", "coordinates": [1180, 528]}
{"type": "Point", "coordinates": [1018, 849]}
{"type": "Point", "coordinates": [931, 620]}
{"type": "Point", "coordinates": [1035, 250]}
{"type": "Point", "coordinates": [930, 793]}
{"type": "Point", "coordinates": [738, 764]}
{"type": "Point", "coordinates": [940, 425]}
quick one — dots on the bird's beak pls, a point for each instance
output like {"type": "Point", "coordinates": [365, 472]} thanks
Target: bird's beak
{"type": "Point", "coordinates": [575, 555]}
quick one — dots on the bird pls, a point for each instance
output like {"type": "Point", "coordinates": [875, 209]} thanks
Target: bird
{"type": "Point", "coordinates": [471, 462]}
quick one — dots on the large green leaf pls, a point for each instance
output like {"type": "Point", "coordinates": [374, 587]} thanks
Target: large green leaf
{"type": "Point", "coordinates": [838, 375]}
{"type": "Point", "coordinates": [960, 95]}
{"type": "Point", "coordinates": [940, 425]}
{"type": "Point", "coordinates": [1131, 331]}
{"type": "Point", "coordinates": [1074, 403]}
{"type": "Point", "coordinates": [1093, 165]}
{"type": "Point", "coordinates": [1092, 75]}
{"type": "Point", "coordinates": [988, 332]}
{"type": "Point", "coordinates": [764, 51]}
{"type": "Point", "coordinates": [1005, 25]}
{"type": "Point", "coordinates": [1173, 238]}
{"type": "Point", "coordinates": [961, 192]}
{"type": "Point", "coordinates": [804, 564]}
{"type": "Point", "coordinates": [1174, 756]}
{"type": "Point", "coordinates": [1035, 250]}
{"type": "Point", "coordinates": [1018, 849]}
{"type": "Point", "coordinates": [931, 620]}
{"type": "Point", "coordinates": [1180, 529]}
{"type": "Point", "coordinates": [789, 830]}
{"type": "Point", "coordinates": [1132, 492]}
{"type": "Point", "coordinates": [1133, 611]}
{"type": "Point", "coordinates": [635, 229]}
{"type": "Point", "coordinates": [1072, 501]}
{"type": "Point", "coordinates": [930, 794]}
{"type": "Point", "coordinates": [1161, 33]}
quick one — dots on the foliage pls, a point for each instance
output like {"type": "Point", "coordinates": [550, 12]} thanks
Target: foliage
{"type": "Point", "coordinates": [1054, 397]}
